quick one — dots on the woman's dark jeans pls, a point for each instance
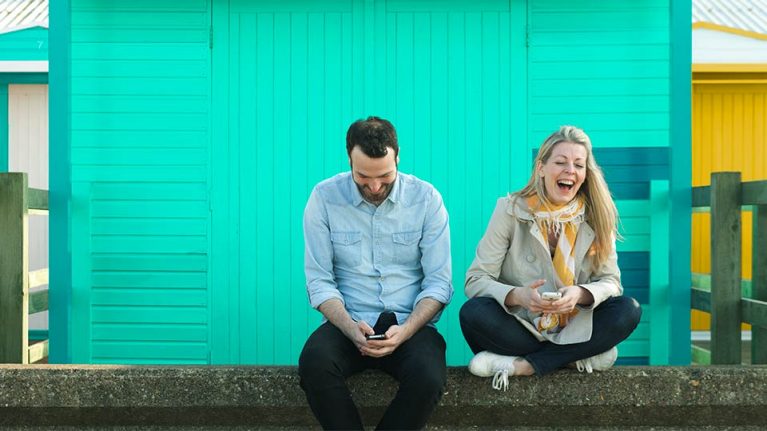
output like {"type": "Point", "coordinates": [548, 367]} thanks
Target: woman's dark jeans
{"type": "Point", "coordinates": [486, 326]}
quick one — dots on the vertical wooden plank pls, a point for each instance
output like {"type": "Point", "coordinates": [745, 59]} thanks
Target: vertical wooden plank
{"type": "Point", "coordinates": [725, 268]}
{"type": "Point", "coordinates": [439, 106]}
{"type": "Point", "coordinates": [282, 198]}
{"type": "Point", "coordinates": [221, 177]}
{"type": "Point", "coordinates": [660, 329]}
{"type": "Point", "coordinates": [265, 152]}
{"type": "Point", "coordinates": [14, 269]}
{"type": "Point", "coordinates": [245, 144]}
{"type": "Point", "coordinates": [334, 127]}
{"type": "Point", "coordinates": [404, 89]}
{"type": "Point", "coordinates": [759, 280]}
{"type": "Point", "coordinates": [60, 180]}
{"type": "Point", "coordinates": [680, 165]}
{"type": "Point", "coordinates": [520, 145]}
{"type": "Point", "coordinates": [300, 313]}
{"type": "Point", "coordinates": [458, 182]}
{"type": "Point", "coordinates": [422, 142]}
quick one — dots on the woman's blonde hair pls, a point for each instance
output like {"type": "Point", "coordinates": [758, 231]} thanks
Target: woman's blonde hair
{"type": "Point", "coordinates": [601, 213]}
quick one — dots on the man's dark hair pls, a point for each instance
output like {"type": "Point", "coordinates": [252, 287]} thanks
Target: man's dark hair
{"type": "Point", "coordinates": [373, 136]}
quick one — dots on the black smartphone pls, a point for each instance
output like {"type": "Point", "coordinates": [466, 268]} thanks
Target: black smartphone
{"type": "Point", "coordinates": [385, 320]}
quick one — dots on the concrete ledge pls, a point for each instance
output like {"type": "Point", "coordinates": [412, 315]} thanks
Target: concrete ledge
{"type": "Point", "coordinates": [66, 395]}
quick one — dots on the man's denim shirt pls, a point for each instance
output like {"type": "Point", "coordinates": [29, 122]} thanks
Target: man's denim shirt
{"type": "Point", "coordinates": [376, 259]}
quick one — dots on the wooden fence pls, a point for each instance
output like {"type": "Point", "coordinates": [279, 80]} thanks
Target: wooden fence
{"type": "Point", "coordinates": [17, 203]}
{"type": "Point", "coordinates": [721, 292]}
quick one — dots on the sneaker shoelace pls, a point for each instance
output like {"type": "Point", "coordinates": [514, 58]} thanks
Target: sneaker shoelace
{"type": "Point", "coordinates": [501, 379]}
{"type": "Point", "coordinates": [584, 365]}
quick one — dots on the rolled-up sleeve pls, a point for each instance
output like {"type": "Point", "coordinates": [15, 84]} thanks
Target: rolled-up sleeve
{"type": "Point", "coordinates": [318, 253]}
{"type": "Point", "coordinates": [435, 253]}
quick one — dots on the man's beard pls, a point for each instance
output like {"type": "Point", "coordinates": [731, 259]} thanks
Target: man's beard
{"type": "Point", "coordinates": [377, 198]}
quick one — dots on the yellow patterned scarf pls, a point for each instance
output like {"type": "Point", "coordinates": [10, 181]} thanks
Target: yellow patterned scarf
{"type": "Point", "coordinates": [563, 222]}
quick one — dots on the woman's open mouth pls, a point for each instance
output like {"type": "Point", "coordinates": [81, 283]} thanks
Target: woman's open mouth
{"type": "Point", "coordinates": [565, 185]}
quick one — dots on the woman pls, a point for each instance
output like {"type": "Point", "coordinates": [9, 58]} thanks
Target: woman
{"type": "Point", "coordinates": [554, 237]}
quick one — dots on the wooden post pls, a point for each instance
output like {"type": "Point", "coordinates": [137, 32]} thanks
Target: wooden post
{"type": "Point", "coordinates": [14, 269]}
{"type": "Point", "coordinates": [725, 268]}
{"type": "Point", "coordinates": [759, 280]}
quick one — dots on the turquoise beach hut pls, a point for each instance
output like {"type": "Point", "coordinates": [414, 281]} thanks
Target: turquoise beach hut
{"type": "Point", "coordinates": [186, 137]}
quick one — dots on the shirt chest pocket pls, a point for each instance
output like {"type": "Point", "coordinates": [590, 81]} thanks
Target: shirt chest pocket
{"type": "Point", "coordinates": [406, 247]}
{"type": "Point", "coordinates": [347, 248]}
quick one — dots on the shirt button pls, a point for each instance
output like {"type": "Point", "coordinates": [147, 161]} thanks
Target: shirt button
{"type": "Point", "coordinates": [382, 279]}
{"type": "Point", "coordinates": [530, 258]}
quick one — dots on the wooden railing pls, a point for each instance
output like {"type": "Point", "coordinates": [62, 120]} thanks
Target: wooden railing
{"type": "Point", "coordinates": [721, 292]}
{"type": "Point", "coordinates": [17, 202]}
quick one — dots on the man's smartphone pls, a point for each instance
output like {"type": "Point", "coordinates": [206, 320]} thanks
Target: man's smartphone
{"type": "Point", "coordinates": [385, 320]}
{"type": "Point", "coordinates": [551, 296]}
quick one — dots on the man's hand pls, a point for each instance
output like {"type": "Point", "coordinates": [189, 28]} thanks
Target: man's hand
{"type": "Point", "coordinates": [356, 333]}
{"type": "Point", "coordinates": [395, 336]}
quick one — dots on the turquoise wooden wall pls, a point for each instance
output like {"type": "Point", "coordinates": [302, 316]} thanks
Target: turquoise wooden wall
{"type": "Point", "coordinates": [198, 130]}
{"type": "Point", "coordinates": [24, 45]}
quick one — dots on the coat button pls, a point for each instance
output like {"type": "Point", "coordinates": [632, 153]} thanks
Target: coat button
{"type": "Point", "coordinates": [530, 258]}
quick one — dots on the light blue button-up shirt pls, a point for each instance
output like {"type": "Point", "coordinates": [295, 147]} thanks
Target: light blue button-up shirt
{"type": "Point", "coordinates": [376, 259]}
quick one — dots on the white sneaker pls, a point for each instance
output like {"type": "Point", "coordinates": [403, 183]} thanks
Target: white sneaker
{"type": "Point", "coordinates": [600, 362]}
{"type": "Point", "coordinates": [486, 364]}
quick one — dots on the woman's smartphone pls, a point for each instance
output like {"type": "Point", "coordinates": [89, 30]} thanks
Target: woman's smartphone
{"type": "Point", "coordinates": [551, 296]}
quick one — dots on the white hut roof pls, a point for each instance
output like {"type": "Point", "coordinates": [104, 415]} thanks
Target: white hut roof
{"type": "Point", "coordinates": [745, 15]}
{"type": "Point", "coordinates": [20, 14]}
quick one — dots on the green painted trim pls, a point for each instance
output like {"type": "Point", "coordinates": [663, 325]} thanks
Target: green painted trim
{"type": "Point", "coordinates": [23, 78]}
{"type": "Point", "coordinates": [60, 182]}
{"type": "Point", "coordinates": [700, 356]}
{"type": "Point", "coordinates": [703, 282]}
{"type": "Point", "coordinates": [4, 127]}
{"type": "Point", "coordinates": [660, 329]}
{"type": "Point", "coordinates": [223, 299]}
{"type": "Point", "coordinates": [681, 179]}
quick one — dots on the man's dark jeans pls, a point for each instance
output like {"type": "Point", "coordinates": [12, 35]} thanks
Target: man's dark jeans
{"type": "Point", "coordinates": [486, 326]}
{"type": "Point", "coordinates": [329, 358]}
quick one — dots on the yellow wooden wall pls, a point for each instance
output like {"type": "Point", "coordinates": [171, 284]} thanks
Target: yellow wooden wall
{"type": "Point", "coordinates": [729, 117]}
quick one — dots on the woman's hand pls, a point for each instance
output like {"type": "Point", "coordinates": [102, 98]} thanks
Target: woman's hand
{"type": "Point", "coordinates": [572, 296]}
{"type": "Point", "coordinates": [529, 298]}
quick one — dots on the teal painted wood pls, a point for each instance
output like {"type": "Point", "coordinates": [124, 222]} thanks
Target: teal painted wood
{"type": "Point", "coordinates": [681, 176]}
{"type": "Point", "coordinates": [3, 127]}
{"type": "Point", "coordinates": [60, 300]}
{"type": "Point", "coordinates": [661, 331]}
{"type": "Point", "coordinates": [427, 57]}
{"type": "Point", "coordinates": [592, 64]}
{"type": "Point", "coordinates": [140, 103]}
{"type": "Point", "coordinates": [198, 179]}
{"type": "Point", "coordinates": [30, 44]}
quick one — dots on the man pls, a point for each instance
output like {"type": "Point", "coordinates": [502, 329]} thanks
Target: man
{"type": "Point", "coordinates": [377, 241]}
